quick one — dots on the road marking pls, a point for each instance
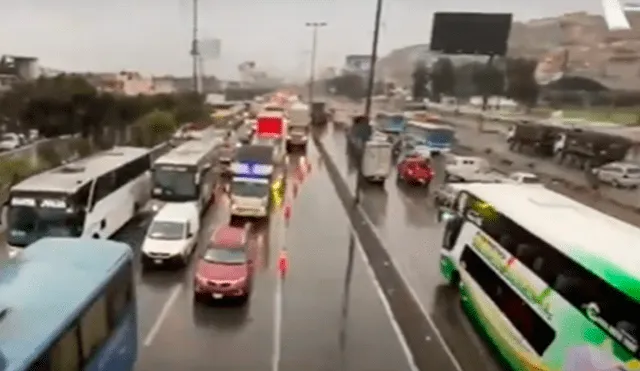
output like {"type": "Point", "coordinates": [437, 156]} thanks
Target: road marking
{"type": "Point", "coordinates": [385, 304]}
{"type": "Point", "coordinates": [413, 293]}
{"type": "Point", "coordinates": [166, 309]}
{"type": "Point", "coordinates": [277, 326]}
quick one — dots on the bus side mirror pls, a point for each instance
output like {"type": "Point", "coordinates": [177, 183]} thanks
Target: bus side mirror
{"type": "Point", "coordinates": [445, 214]}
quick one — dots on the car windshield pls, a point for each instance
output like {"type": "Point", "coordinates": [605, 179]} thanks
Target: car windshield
{"type": "Point", "coordinates": [249, 189]}
{"type": "Point", "coordinates": [225, 255]}
{"type": "Point", "coordinates": [161, 230]}
{"type": "Point", "coordinates": [633, 170]}
{"type": "Point", "coordinates": [8, 137]}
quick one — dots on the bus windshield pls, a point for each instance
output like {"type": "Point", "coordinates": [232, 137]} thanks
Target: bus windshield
{"type": "Point", "coordinates": [30, 219]}
{"type": "Point", "coordinates": [244, 188]}
{"type": "Point", "coordinates": [174, 184]}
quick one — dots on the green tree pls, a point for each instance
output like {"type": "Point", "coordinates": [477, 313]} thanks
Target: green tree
{"type": "Point", "coordinates": [521, 84]}
{"type": "Point", "coordinates": [488, 80]}
{"type": "Point", "coordinates": [14, 169]}
{"type": "Point", "coordinates": [442, 78]}
{"type": "Point", "coordinates": [349, 85]}
{"type": "Point", "coordinates": [420, 81]}
{"type": "Point", "coordinates": [154, 128]}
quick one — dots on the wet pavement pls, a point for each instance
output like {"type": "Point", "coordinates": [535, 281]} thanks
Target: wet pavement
{"type": "Point", "coordinates": [405, 221]}
{"type": "Point", "coordinates": [326, 314]}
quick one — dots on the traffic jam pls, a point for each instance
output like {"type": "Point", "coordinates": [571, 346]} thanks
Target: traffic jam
{"type": "Point", "coordinates": [215, 270]}
{"type": "Point", "coordinates": [242, 168]}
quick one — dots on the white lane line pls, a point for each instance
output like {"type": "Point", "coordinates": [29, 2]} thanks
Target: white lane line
{"type": "Point", "coordinates": [387, 307]}
{"type": "Point", "coordinates": [277, 326]}
{"type": "Point", "coordinates": [166, 309]}
{"type": "Point", "coordinates": [413, 293]}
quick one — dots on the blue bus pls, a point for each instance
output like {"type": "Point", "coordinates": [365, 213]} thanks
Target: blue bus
{"type": "Point", "coordinates": [68, 305]}
{"type": "Point", "coordinates": [429, 137]}
{"type": "Point", "coordinates": [390, 123]}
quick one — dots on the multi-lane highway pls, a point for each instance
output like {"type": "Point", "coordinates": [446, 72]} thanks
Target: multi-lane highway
{"type": "Point", "coordinates": [336, 308]}
{"type": "Point", "coordinates": [327, 313]}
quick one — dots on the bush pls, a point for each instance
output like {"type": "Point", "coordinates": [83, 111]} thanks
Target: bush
{"type": "Point", "coordinates": [49, 156]}
{"type": "Point", "coordinates": [14, 170]}
{"type": "Point", "coordinates": [153, 128]}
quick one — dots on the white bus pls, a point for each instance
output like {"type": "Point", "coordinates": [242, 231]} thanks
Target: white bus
{"type": "Point", "coordinates": [92, 197]}
{"type": "Point", "coordinates": [550, 282]}
{"type": "Point", "coordinates": [186, 174]}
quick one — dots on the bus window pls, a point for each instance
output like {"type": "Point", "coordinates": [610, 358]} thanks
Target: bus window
{"type": "Point", "coordinates": [65, 354]}
{"type": "Point", "coordinates": [94, 328]}
{"type": "Point", "coordinates": [104, 186]}
{"type": "Point", "coordinates": [528, 323]}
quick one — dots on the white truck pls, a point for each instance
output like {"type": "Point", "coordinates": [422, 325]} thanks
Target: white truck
{"type": "Point", "coordinates": [376, 160]}
{"type": "Point", "coordinates": [299, 123]}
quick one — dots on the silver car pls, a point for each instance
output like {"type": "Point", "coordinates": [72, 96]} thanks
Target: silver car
{"type": "Point", "coordinates": [619, 174]}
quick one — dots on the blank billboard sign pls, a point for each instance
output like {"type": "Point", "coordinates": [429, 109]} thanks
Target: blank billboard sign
{"type": "Point", "coordinates": [471, 33]}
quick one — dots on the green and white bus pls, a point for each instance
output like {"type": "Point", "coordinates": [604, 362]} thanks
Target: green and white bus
{"type": "Point", "coordinates": [553, 284]}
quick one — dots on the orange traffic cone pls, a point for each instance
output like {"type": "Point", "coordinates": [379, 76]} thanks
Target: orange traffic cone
{"type": "Point", "coordinates": [287, 213]}
{"type": "Point", "coordinates": [283, 263]}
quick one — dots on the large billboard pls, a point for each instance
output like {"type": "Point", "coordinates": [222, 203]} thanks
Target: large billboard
{"type": "Point", "coordinates": [470, 33]}
{"type": "Point", "coordinates": [357, 63]}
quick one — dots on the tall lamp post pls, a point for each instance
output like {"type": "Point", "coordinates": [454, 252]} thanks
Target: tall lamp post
{"type": "Point", "coordinates": [370, 81]}
{"type": "Point", "coordinates": [314, 49]}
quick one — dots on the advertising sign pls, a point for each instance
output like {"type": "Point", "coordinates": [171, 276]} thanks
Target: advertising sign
{"type": "Point", "coordinates": [358, 63]}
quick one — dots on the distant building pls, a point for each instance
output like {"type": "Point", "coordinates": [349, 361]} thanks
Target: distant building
{"type": "Point", "coordinates": [16, 69]}
{"type": "Point", "coordinates": [130, 83]}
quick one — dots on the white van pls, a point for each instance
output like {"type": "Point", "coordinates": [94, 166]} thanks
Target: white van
{"type": "Point", "coordinates": [376, 160]}
{"type": "Point", "coordinates": [466, 164]}
{"type": "Point", "coordinates": [172, 235]}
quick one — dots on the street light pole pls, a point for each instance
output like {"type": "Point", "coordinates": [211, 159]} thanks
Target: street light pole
{"type": "Point", "coordinates": [314, 49]}
{"type": "Point", "coordinates": [371, 79]}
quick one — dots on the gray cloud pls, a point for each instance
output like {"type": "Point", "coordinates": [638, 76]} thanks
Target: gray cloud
{"type": "Point", "coordinates": [153, 36]}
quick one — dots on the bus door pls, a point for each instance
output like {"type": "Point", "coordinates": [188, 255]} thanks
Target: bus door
{"type": "Point", "coordinates": [456, 234]}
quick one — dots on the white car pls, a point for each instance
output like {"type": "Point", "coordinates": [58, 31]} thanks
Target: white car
{"type": "Point", "coordinates": [173, 235]}
{"type": "Point", "coordinates": [521, 177]}
{"type": "Point", "coordinates": [619, 174]}
{"type": "Point", "coordinates": [9, 142]}
{"type": "Point", "coordinates": [465, 164]}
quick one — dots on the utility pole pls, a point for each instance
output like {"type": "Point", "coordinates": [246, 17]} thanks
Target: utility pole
{"type": "Point", "coordinates": [195, 49]}
{"type": "Point", "coordinates": [371, 79]}
{"type": "Point", "coordinates": [314, 50]}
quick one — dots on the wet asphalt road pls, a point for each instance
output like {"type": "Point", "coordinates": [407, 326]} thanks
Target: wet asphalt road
{"type": "Point", "coordinates": [326, 314]}
{"type": "Point", "coordinates": [405, 220]}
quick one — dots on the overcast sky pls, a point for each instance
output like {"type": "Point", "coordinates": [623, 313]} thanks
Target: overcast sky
{"type": "Point", "coordinates": [153, 36]}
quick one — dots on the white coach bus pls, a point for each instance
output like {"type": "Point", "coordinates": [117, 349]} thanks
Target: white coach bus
{"type": "Point", "coordinates": [92, 197]}
{"type": "Point", "coordinates": [186, 174]}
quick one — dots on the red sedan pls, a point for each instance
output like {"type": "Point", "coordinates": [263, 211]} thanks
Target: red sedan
{"type": "Point", "coordinates": [415, 170]}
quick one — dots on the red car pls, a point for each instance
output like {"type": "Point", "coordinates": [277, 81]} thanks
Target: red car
{"type": "Point", "coordinates": [225, 270]}
{"type": "Point", "coordinates": [415, 170]}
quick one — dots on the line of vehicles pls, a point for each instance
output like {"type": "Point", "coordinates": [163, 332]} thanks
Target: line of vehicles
{"type": "Point", "coordinates": [601, 154]}
{"type": "Point", "coordinates": [409, 139]}
{"type": "Point", "coordinates": [13, 141]}
{"type": "Point", "coordinates": [77, 289]}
